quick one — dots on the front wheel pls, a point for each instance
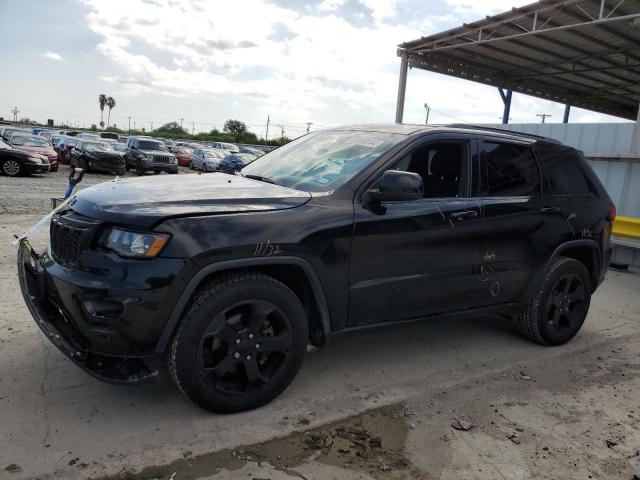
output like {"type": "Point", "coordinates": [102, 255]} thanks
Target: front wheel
{"type": "Point", "coordinates": [120, 171]}
{"type": "Point", "coordinates": [558, 310]}
{"type": "Point", "coordinates": [12, 168]}
{"type": "Point", "coordinates": [140, 169]}
{"type": "Point", "coordinates": [240, 343]}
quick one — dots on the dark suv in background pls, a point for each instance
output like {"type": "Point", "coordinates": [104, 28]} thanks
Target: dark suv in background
{"type": "Point", "coordinates": [145, 154]}
{"type": "Point", "coordinates": [227, 278]}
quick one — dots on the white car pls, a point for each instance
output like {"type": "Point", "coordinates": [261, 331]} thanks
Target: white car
{"type": "Point", "coordinates": [229, 147]}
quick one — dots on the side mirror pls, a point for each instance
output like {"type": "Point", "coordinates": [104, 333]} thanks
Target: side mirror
{"type": "Point", "coordinates": [396, 186]}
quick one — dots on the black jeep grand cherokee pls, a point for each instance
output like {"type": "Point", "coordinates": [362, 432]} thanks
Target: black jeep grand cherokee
{"type": "Point", "coordinates": [228, 278]}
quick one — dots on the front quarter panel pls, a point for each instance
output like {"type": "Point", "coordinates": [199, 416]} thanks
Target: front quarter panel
{"type": "Point", "coordinates": [318, 232]}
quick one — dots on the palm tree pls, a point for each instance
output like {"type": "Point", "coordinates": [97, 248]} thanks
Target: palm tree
{"type": "Point", "coordinates": [111, 103]}
{"type": "Point", "coordinates": [102, 101]}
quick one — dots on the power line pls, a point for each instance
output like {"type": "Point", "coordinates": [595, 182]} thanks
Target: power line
{"type": "Point", "coordinates": [543, 116]}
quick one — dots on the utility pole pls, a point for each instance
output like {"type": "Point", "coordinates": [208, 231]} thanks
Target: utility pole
{"type": "Point", "coordinates": [543, 116]}
{"type": "Point", "coordinates": [193, 128]}
{"type": "Point", "coordinates": [134, 125]}
{"type": "Point", "coordinates": [266, 137]}
{"type": "Point", "coordinates": [181, 120]}
{"type": "Point", "coordinates": [282, 130]}
{"type": "Point", "coordinates": [428, 109]}
{"type": "Point", "coordinates": [15, 112]}
{"type": "Point", "coordinates": [151, 123]}
{"type": "Point", "coordinates": [308, 125]}
{"type": "Point", "coordinates": [129, 124]}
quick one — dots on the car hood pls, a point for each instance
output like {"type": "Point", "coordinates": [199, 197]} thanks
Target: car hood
{"type": "Point", "coordinates": [105, 154]}
{"type": "Point", "coordinates": [155, 152]}
{"type": "Point", "coordinates": [47, 151]}
{"type": "Point", "coordinates": [146, 201]}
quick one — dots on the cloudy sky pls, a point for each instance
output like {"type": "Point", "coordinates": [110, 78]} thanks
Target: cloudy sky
{"type": "Point", "coordinates": [328, 62]}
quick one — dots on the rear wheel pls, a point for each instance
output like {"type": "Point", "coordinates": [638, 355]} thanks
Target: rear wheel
{"type": "Point", "coordinates": [240, 343]}
{"type": "Point", "coordinates": [190, 165]}
{"type": "Point", "coordinates": [12, 168]}
{"type": "Point", "coordinates": [558, 310]}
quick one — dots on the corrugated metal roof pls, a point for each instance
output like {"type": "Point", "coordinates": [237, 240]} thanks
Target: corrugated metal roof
{"type": "Point", "coordinates": [584, 53]}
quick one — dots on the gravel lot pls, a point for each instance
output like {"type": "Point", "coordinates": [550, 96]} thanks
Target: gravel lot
{"type": "Point", "coordinates": [379, 406]}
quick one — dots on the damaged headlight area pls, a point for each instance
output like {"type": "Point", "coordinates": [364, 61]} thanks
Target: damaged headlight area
{"type": "Point", "coordinates": [130, 244]}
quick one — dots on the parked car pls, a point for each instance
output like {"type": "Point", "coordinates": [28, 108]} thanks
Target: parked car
{"type": "Point", "coordinates": [119, 147]}
{"type": "Point", "coordinates": [14, 162]}
{"type": "Point", "coordinates": [228, 278]}
{"type": "Point", "coordinates": [234, 162]}
{"type": "Point", "coordinates": [183, 155]}
{"type": "Point", "coordinates": [96, 156]}
{"type": "Point", "coordinates": [64, 147]}
{"type": "Point", "coordinates": [37, 145]}
{"type": "Point", "coordinates": [89, 136]}
{"type": "Point", "coordinates": [206, 159]}
{"type": "Point", "coordinates": [8, 131]}
{"type": "Point", "coordinates": [145, 154]}
{"type": "Point", "coordinates": [110, 136]}
{"type": "Point", "coordinates": [229, 147]}
{"type": "Point", "coordinates": [253, 151]}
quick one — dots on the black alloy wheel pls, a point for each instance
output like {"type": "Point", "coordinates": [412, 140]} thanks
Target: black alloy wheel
{"type": "Point", "coordinates": [240, 343]}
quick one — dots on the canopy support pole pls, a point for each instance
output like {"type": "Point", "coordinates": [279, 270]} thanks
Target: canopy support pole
{"type": "Point", "coordinates": [402, 87]}
{"type": "Point", "coordinates": [506, 99]}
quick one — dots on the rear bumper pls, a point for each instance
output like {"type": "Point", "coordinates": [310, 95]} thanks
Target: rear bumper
{"type": "Point", "coordinates": [115, 344]}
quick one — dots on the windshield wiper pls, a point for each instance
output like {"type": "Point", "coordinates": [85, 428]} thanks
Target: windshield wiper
{"type": "Point", "coordinates": [263, 179]}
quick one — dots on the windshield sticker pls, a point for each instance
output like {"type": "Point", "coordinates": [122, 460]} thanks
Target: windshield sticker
{"type": "Point", "coordinates": [367, 141]}
{"type": "Point", "coordinates": [322, 180]}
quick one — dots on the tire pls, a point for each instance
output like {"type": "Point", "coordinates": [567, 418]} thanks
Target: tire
{"type": "Point", "coordinates": [190, 165]}
{"type": "Point", "coordinates": [558, 310]}
{"type": "Point", "coordinates": [140, 169]}
{"type": "Point", "coordinates": [12, 168]}
{"type": "Point", "coordinates": [204, 168]}
{"type": "Point", "coordinates": [120, 171]}
{"type": "Point", "coordinates": [126, 166]}
{"type": "Point", "coordinates": [213, 358]}
{"type": "Point", "coordinates": [87, 165]}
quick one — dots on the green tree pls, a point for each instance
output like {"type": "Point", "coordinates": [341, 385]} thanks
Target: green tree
{"type": "Point", "coordinates": [102, 102]}
{"type": "Point", "coordinates": [235, 128]}
{"type": "Point", "coordinates": [27, 121]}
{"type": "Point", "coordinates": [93, 127]}
{"type": "Point", "coordinates": [171, 128]}
{"type": "Point", "coordinates": [111, 103]}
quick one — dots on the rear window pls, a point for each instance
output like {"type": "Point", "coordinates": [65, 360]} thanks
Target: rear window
{"type": "Point", "coordinates": [561, 173]}
{"type": "Point", "coordinates": [509, 170]}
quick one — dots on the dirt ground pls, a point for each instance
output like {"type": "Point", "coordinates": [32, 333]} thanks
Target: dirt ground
{"type": "Point", "coordinates": [465, 399]}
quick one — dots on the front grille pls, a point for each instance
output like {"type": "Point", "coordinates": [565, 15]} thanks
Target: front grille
{"type": "Point", "coordinates": [162, 158]}
{"type": "Point", "coordinates": [70, 235]}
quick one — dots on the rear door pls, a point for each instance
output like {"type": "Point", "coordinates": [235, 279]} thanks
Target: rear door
{"type": "Point", "coordinates": [513, 237]}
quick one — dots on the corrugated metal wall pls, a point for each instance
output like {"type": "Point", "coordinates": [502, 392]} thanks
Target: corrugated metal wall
{"type": "Point", "coordinates": [588, 137]}
{"type": "Point", "coordinates": [622, 181]}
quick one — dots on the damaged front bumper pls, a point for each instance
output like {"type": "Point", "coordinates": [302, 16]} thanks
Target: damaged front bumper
{"type": "Point", "coordinates": [62, 331]}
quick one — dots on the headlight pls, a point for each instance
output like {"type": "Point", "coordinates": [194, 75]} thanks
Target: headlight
{"type": "Point", "coordinates": [134, 244]}
{"type": "Point", "coordinates": [149, 157]}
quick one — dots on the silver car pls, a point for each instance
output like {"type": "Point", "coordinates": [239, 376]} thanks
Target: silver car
{"type": "Point", "coordinates": [206, 159]}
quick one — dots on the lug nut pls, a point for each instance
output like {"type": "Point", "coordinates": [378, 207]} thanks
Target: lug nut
{"type": "Point", "coordinates": [251, 335]}
{"type": "Point", "coordinates": [236, 355]}
{"type": "Point", "coordinates": [237, 341]}
{"type": "Point", "coordinates": [248, 357]}
{"type": "Point", "coordinates": [257, 346]}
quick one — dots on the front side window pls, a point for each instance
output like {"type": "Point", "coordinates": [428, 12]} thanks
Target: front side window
{"type": "Point", "coordinates": [442, 166]}
{"type": "Point", "coordinates": [322, 161]}
{"type": "Point", "coordinates": [508, 170]}
{"type": "Point", "coordinates": [561, 173]}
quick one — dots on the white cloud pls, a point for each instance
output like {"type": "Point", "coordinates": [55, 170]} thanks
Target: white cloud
{"type": "Point", "coordinates": [485, 7]}
{"type": "Point", "coordinates": [53, 56]}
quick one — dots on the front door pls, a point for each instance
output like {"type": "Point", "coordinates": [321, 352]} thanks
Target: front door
{"type": "Point", "coordinates": [419, 258]}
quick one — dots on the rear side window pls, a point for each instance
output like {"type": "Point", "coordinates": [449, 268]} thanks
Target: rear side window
{"type": "Point", "coordinates": [508, 170]}
{"type": "Point", "coordinates": [561, 173]}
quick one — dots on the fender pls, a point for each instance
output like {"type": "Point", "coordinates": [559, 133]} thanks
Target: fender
{"type": "Point", "coordinates": [204, 272]}
{"type": "Point", "coordinates": [595, 251]}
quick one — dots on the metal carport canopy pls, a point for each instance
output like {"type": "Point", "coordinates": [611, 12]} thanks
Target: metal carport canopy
{"type": "Point", "coordinates": [583, 53]}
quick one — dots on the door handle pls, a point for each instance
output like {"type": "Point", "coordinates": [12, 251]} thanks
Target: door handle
{"type": "Point", "coordinates": [551, 210]}
{"type": "Point", "coordinates": [464, 214]}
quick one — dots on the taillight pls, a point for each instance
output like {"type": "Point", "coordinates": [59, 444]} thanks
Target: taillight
{"type": "Point", "coordinates": [612, 212]}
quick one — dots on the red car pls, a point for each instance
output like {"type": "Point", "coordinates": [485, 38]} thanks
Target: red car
{"type": "Point", "coordinates": [183, 155]}
{"type": "Point", "coordinates": [35, 144]}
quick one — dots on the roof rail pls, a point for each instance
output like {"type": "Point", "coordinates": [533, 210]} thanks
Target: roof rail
{"type": "Point", "coordinates": [502, 130]}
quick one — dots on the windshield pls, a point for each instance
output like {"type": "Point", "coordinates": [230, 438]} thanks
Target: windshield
{"type": "Point", "coordinates": [97, 147]}
{"type": "Point", "coordinates": [324, 160]}
{"type": "Point", "coordinates": [119, 147]}
{"type": "Point", "coordinates": [210, 154]}
{"type": "Point", "coordinates": [29, 141]}
{"type": "Point", "coordinates": [149, 145]}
